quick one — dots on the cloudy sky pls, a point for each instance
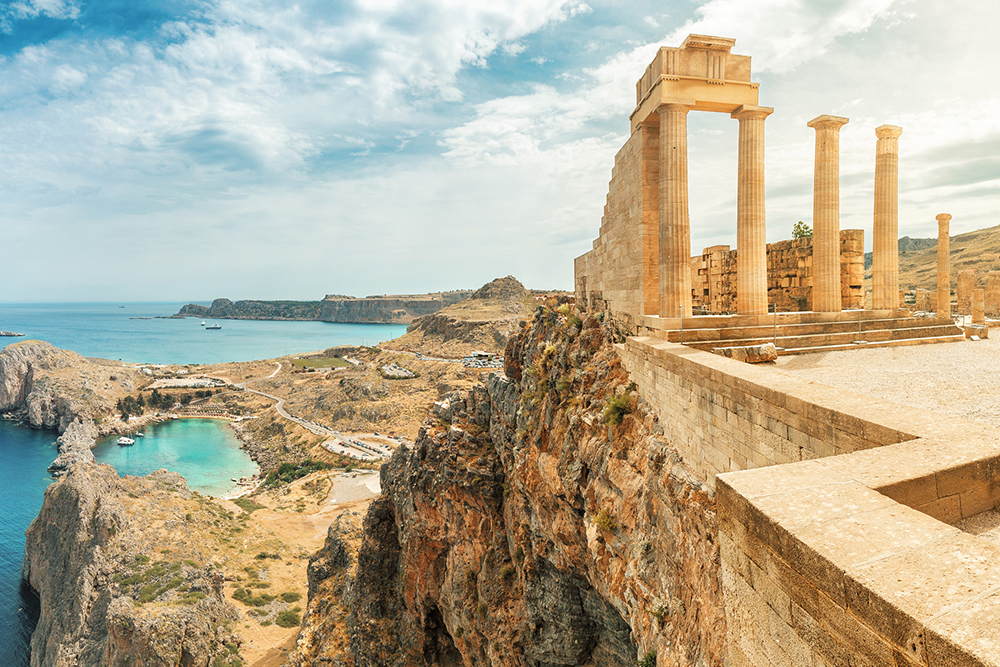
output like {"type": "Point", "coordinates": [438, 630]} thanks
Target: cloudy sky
{"type": "Point", "coordinates": [188, 149]}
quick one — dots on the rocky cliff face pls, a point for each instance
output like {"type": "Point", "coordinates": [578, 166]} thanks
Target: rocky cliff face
{"type": "Point", "coordinates": [254, 310]}
{"type": "Point", "coordinates": [541, 520]}
{"type": "Point", "coordinates": [50, 388]}
{"type": "Point", "coordinates": [385, 310]}
{"type": "Point", "coordinates": [106, 597]}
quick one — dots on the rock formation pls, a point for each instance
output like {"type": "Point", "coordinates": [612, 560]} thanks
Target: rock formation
{"type": "Point", "coordinates": [51, 388]}
{"type": "Point", "coordinates": [540, 520]}
{"type": "Point", "coordinates": [484, 321]}
{"type": "Point", "coordinates": [106, 597]}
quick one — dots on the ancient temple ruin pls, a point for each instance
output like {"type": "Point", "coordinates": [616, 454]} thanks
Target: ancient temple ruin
{"type": "Point", "coordinates": [641, 266]}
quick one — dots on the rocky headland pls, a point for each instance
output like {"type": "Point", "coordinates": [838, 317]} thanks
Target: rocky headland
{"type": "Point", "coordinates": [484, 321]}
{"type": "Point", "coordinates": [121, 576]}
{"type": "Point", "coordinates": [386, 309]}
{"type": "Point", "coordinates": [51, 388]}
{"type": "Point", "coordinates": [541, 519]}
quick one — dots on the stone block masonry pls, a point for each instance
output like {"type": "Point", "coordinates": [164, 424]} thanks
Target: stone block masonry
{"type": "Point", "coordinates": [847, 554]}
{"type": "Point", "coordinates": [789, 275]}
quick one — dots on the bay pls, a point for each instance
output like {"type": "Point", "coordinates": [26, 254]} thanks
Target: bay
{"type": "Point", "coordinates": [109, 331]}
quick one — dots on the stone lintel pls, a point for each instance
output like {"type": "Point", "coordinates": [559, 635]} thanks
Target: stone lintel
{"type": "Point", "coordinates": [708, 42]}
{"type": "Point", "coordinates": [888, 131]}
{"type": "Point", "coordinates": [825, 121]}
{"type": "Point", "coordinates": [751, 111]}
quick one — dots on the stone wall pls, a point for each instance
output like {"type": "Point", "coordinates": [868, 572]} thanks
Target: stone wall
{"type": "Point", "coordinates": [789, 274]}
{"type": "Point", "coordinates": [622, 268]}
{"type": "Point", "coordinates": [848, 554]}
{"type": "Point", "coordinates": [725, 415]}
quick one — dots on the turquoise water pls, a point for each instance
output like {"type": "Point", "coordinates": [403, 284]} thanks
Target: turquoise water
{"type": "Point", "coordinates": [204, 451]}
{"type": "Point", "coordinates": [106, 330]}
{"type": "Point", "coordinates": [25, 454]}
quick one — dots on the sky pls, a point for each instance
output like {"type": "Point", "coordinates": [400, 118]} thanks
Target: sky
{"type": "Point", "coordinates": [268, 149]}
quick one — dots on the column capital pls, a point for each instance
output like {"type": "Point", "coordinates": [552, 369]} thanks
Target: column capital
{"type": "Point", "coordinates": [751, 111]}
{"type": "Point", "coordinates": [827, 122]}
{"type": "Point", "coordinates": [888, 131]}
{"type": "Point", "coordinates": [943, 217]}
{"type": "Point", "coordinates": [676, 105]}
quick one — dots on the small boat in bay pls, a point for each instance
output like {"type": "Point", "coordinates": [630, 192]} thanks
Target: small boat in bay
{"type": "Point", "coordinates": [125, 441]}
{"type": "Point", "coordinates": [203, 323]}
{"type": "Point", "coordinates": [139, 435]}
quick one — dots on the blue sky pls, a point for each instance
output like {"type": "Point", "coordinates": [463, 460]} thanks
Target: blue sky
{"type": "Point", "coordinates": [265, 149]}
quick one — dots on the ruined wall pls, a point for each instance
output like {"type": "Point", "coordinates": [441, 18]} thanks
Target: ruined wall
{"type": "Point", "coordinates": [622, 268]}
{"type": "Point", "coordinates": [789, 274]}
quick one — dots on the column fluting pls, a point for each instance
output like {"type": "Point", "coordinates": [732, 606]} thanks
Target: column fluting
{"type": "Point", "coordinates": [885, 240]}
{"type": "Point", "coordinates": [751, 236]}
{"type": "Point", "coordinates": [826, 290]}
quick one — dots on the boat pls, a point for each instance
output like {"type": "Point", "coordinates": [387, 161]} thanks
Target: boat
{"type": "Point", "coordinates": [139, 435]}
{"type": "Point", "coordinates": [213, 326]}
{"type": "Point", "coordinates": [203, 323]}
{"type": "Point", "coordinates": [124, 441]}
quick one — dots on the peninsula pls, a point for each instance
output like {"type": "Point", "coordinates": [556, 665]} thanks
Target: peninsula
{"type": "Point", "coordinates": [384, 309]}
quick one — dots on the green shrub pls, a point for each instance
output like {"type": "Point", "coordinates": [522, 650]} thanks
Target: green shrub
{"type": "Point", "coordinates": [616, 409]}
{"type": "Point", "coordinates": [605, 521]}
{"type": "Point", "coordinates": [248, 505]}
{"type": "Point", "coordinates": [291, 596]}
{"type": "Point", "coordinates": [648, 660]}
{"type": "Point", "coordinates": [288, 619]}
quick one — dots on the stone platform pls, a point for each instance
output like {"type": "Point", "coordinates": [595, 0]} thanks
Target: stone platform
{"type": "Point", "coordinates": [801, 332]}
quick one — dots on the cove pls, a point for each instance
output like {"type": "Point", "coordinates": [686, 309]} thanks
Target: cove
{"type": "Point", "coordinates": [205, 451]}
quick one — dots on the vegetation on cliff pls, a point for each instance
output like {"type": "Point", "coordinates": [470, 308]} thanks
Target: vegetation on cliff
{"type": "Point", "coordinates": [522, 529]}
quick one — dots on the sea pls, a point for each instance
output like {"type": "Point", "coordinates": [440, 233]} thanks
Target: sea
{"type": "Point", "coordinates": [205, 451]}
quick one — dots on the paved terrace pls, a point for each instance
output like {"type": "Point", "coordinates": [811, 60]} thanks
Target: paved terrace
{"type": "Point", "coordinates": [957, 379]}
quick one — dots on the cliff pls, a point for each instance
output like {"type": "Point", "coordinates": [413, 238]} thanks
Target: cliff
{"type": "Point", "coordinates": [389, 309]}
{"type": "Point", "coordinates": [50, 388]}
{"type": "Point", "coordinates": [119, 579]}
{"type": "Point", "coordinates": [484, 321]}
{"type": "Point", "coordinates": [539, 520]}
{"type": "Point", "coordinates": [386, 309]}
{"type": "Point", "coordinates": [254, 310]}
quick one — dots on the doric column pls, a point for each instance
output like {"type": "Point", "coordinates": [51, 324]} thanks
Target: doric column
{"type": "Point", "coordinates": [649, 137]}
{"type": "Point", "coordinates": [751, 237]}
{"type": "Point", "coordinates": [885, 241]}
{"type": "Point", "coordinates": [675, 225]}
{"type": "Point", "coordinates": [978, 306]}
{"type": "Point", "coordinates": [943, 267]}
{"type": "Point", "coordinates": [826, 214]}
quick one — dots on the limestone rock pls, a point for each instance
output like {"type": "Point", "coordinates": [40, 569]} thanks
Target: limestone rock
{"type": "Point", "coordinates": [752, 354]}
{"type": "Point", "coordinates": [80, 557]}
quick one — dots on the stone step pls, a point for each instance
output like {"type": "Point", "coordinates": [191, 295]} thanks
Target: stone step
{"type": "Point", "coordinates": [888, 343]}
{"type": "Point", "coordinates": [654, 323]}
{"type": "Point", "coordinates": [833, 338]}
{"type": "Point", "coordinates": [765, 331]}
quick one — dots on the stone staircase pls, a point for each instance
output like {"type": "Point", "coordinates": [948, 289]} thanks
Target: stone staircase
{"type": "Point", "coordinates": [798, 333]}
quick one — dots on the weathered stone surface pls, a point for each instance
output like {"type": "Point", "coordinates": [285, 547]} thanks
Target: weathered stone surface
{"type": "Point", "coordinates": [826, 295]}
{"type": "Point", "coordinates": [85, 540]}
{"type": "Point", "coordinates": [943, 267]}
{"type": "Point", "coordinates": [74, 446]}
{"type": "Point", "coordinates": [752, 354]}
{"type": "Point", "coordinates": [51, 387]}
{"type": "Point", "coordinates": [532, 533]}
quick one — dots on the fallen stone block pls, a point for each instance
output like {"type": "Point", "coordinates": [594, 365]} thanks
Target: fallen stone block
{"type": "Point", "coordinates": [980, 330]}
{"type": "Point", "coordinates": [752, 354]}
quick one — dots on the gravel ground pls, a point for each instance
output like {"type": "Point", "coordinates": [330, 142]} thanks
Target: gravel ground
{"type": "Point", "coordinates": [958, 379]}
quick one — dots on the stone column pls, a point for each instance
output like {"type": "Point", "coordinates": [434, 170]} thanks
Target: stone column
{"type": "Point", "coordinates": [826, 214]}
{"type": "Point", "coordinates": [978, 306]}
{"type": "Point", "coordinates": [993, 293]}
{"type": "Point", "coordinates": [675, 225]}
{"type": "Point", "coordinates": [965, 282]}
{"type": "Point", "coordinates": [885, 241]}
{"type": "Point", "coordinates": [943, 267]}
{"type": "Point", "coordinates": [751, 237]}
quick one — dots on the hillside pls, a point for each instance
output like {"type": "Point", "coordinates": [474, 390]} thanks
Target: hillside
{"type": "Point", "coordinates": [978, 250]}
{"type": "Point", "coordinates": [484, 321]}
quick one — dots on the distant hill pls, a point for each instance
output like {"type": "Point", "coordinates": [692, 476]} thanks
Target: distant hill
{"type": "Point", "coordinates": [906, 244]}
{"type": "Point", "coordinates": [384, 309]}
{"type": "Point", "coordinates": [978, 251]}
{"type": "Point", "coordinates": [484, 321]}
